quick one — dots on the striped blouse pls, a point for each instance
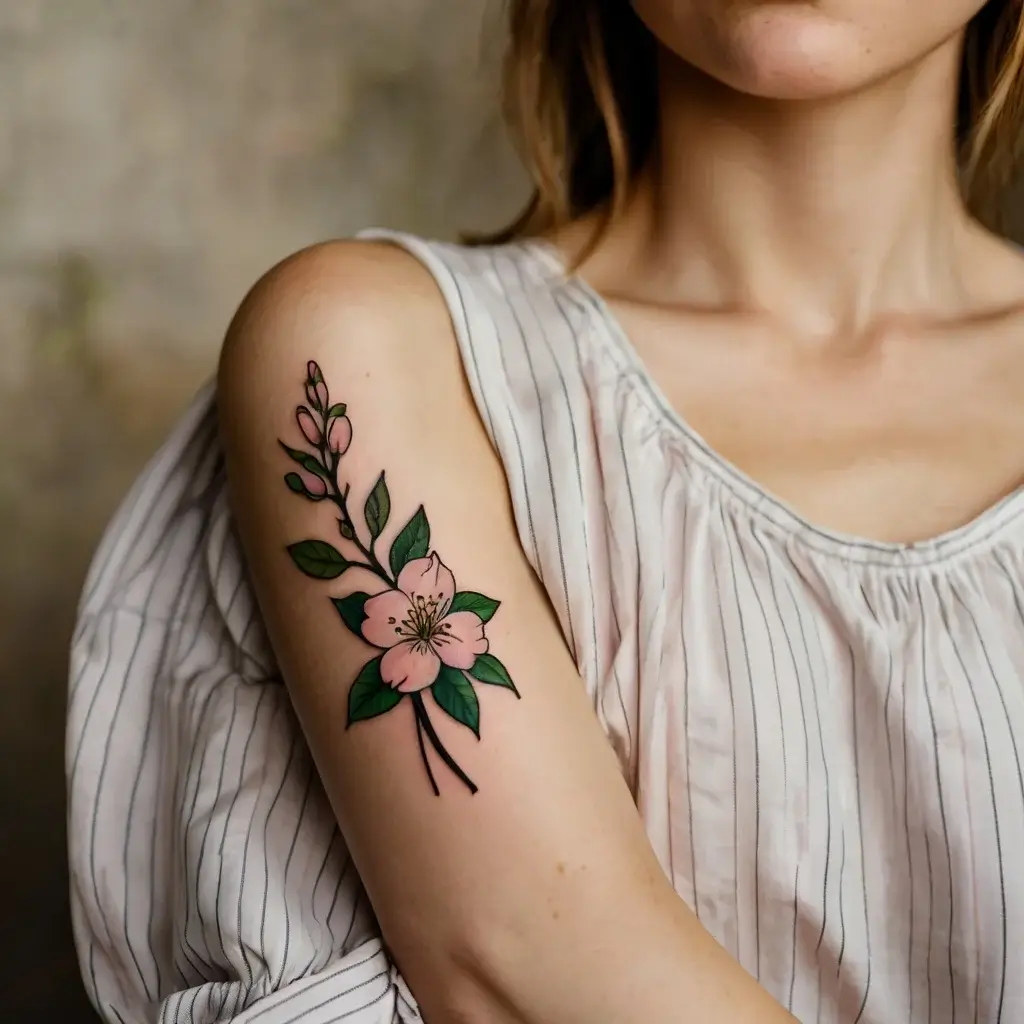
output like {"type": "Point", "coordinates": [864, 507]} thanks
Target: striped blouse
{"type": "Point", "coordinates": [823, 735]}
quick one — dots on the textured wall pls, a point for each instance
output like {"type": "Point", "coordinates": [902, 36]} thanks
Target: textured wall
{"type": "Point", "coordinates": [155, 157]}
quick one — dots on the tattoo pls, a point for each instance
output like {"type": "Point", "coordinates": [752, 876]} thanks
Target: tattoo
{"type": "Point", "coordinates": [432, 635]}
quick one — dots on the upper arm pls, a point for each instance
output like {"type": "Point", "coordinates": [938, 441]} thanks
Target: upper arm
{"type": "Point", "coordinates": [489, 712]}
{"type": "Point", "coordinates": [483, 806]}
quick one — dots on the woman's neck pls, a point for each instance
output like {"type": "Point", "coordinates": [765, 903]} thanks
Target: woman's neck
{"type": "Point", "coordinates": [832, 216]}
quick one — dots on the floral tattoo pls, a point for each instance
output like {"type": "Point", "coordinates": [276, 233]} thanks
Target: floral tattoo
{"type": "Point", "coordinates": [431, 635]}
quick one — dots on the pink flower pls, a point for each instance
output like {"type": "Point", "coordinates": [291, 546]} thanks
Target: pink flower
{"type": "Point", "coordinates": [414, 626]}
{"type": "Point", "coordinates": [339, 435]}
{"type": "Point", "coordinates": [310, 431]}
{"type": "Point", "coordinates": [313, 372]}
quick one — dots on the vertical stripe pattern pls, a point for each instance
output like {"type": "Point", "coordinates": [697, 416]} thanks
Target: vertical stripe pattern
{"type": "Point", "coordinates": [825, 737]}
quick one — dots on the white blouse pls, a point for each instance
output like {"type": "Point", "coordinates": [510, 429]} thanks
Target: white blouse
{"type": "Point", "coordinates": [823, 734]}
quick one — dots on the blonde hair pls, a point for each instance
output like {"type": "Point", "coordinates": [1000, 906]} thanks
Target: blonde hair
{"type": "Point", "coordinates": [580, 90]}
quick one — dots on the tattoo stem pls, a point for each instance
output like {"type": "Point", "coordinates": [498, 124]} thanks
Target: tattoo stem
{"type": "Point", "coordinates": [423, 720]}
{"type": "Point", "coordinates": [341, 501]}
{"type": "Point", "coordinates": [423, 754]}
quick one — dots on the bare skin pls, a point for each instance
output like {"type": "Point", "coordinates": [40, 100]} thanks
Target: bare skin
{"type": "Point", "coordinates": [804, 282]}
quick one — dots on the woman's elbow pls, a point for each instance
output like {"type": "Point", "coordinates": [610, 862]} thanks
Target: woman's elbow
{"type": "Point", "coordinates": [471, 978]}
{"type": "Point", "coordinates": [524, 969]}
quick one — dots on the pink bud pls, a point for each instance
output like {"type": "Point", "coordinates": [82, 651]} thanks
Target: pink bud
{"type": "Point", "coordinates": [315, 487]}
{"type": "Point", "coordinates": [321, 394]}
{"type": "Point", "coordinates": [340, 435]}
{"type": "Point", "coordinates": [310, 431]}
{"type": "Point", "coordinates": [313, 372]}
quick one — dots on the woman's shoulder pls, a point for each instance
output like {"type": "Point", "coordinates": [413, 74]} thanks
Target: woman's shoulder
{"type": "Point", "coordinates": [367, 308]}
{"type": "Point", "coordinates": [396, 313]}
{"type": "Point", "coordinates": [399, 296]}
{"type": "Point", "coordinates": [370, 312]}
{"type": "Point", "coordinates": [352, 290]}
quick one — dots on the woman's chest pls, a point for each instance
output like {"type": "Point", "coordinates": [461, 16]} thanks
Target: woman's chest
{"type": "Point", "coordinates": [897, 438]}
{"type": "Point", "coordinates": [829, 763]}
{"type": "Point", "coordinates": [762, 668]}
{"type": "Point", "coordinates": [804, 694]}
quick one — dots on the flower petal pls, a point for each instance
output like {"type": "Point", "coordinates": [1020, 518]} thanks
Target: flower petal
{"type": "Point", "coordinates": [410, 666]}
{"type": "Point", "coordinates": [315, 487]}
{"type": "Point", "coordinates": [310, 431]}
{"type": "Point", "coordinates": [430, 579]}
{"type": "Point", "coordinates": [340, 436]}
{"type": "Point", "coordinates": [384, 616]}
{"type": "Point", "coordinates": [459, 639]}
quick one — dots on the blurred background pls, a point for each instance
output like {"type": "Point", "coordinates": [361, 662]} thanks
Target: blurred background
{"type": "Point", "coordinates": [156, 156]}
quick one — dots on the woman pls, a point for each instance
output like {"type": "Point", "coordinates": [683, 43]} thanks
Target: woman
{"type": "Point", "coordinates": [730, 426]}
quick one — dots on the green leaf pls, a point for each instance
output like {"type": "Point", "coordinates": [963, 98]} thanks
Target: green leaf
{"type": "Point", "coordinates": [317, 559]}
{"type": "Point", "coordinates": [370, 697]}
{"type": "Point", "coordinates": [345, 530]}
{"type": "Point", "coordinates": [351, 611]}
{"type": "Point", "coordinates": [455, 695]}
{"type": "Point", "coordinates": [337, 410]}
{"type": "Point", "coordinates": [378, 508]}
{"type": "Point", "coordinates": [470, 601]}
{"type": "Point", "coordinates": [487, 669]}
{"type": "Point", "coordinates": [306, 461]}
{"type": "Point", "coordinates": [412, 542]}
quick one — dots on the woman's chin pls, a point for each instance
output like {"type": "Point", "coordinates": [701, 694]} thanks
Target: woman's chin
{"type": "Point", "coordinates": [789, 52]}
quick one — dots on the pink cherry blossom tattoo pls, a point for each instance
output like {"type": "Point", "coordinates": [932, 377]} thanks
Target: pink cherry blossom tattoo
{"type": "Point", "coordinates": [430, 634]}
